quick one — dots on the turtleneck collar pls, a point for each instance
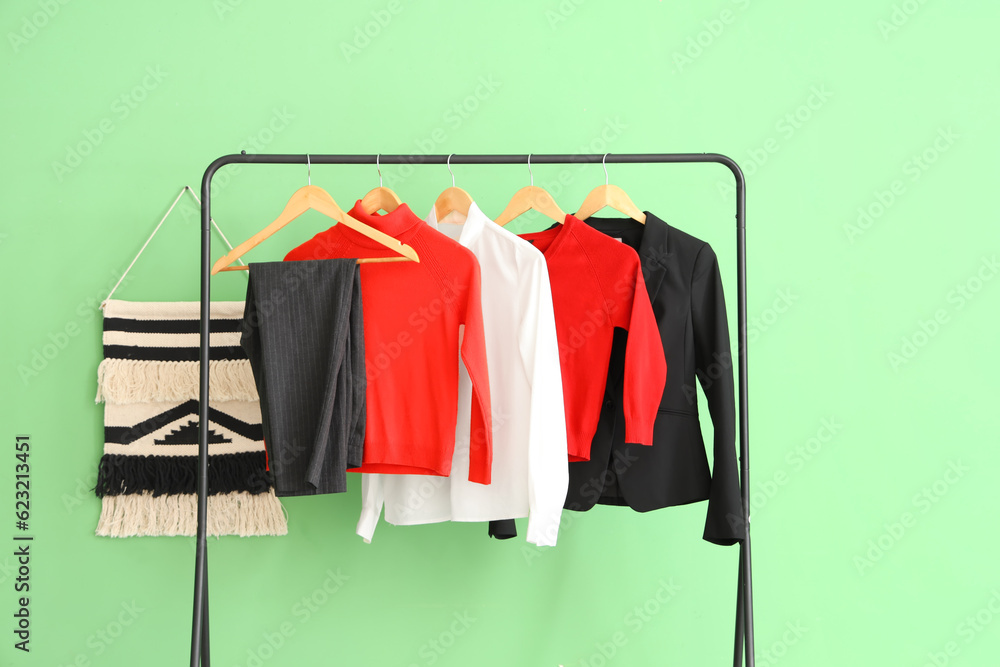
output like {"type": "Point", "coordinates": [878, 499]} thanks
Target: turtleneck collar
{"type": "Point", "coordinates": [401, 224]}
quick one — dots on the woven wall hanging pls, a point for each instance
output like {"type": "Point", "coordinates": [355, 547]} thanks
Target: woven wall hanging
{"type": "Point", "coordinates": [148, 382]}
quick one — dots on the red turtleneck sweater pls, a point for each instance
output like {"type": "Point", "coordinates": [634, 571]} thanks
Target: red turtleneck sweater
{"type": "Point", "coordinates": [412, 315]}
{"type": "Point", "coordinates": [597, 285]}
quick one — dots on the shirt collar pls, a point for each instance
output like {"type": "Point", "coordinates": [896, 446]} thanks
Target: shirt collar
{"type": "Point", "coordinates": [472, 226]}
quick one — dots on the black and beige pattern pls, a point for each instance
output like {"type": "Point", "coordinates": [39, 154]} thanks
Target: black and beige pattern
{"type": "Point", "coordinates": [148, 381]}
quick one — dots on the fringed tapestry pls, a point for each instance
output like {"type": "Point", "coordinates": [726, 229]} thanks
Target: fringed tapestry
{"type": "Point", "coordinates": [147, 478]}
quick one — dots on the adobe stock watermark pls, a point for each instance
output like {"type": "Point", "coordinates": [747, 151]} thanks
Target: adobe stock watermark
{"type": "Point", "coordinates": [120, 109]}
{"type": "Point", "coordinates": [272, 641]}
{"type": "Point", "coordinates": [56, 342]}
{"type": "Point", "coordinates": [562, 12]}
{"type": "Point", "coordinates": [722, 364]}
{"type": "Point", "coordinates": [460, 112]}
{"type": "Point", "coordinates": [532, 552]}
{"type": "Point", "coordinates": [796, 460]}
{"type": "Point", "coordinates": [225, 7]}
{"type": "Point", "coordinates": [32, 24]}
{"type": "Point", "coordinates": [365, 34]}
{"type": "Point", "coordinates": [785, 128]}
{"type": "Point", "coordinates": [778, 649]}
{"type": "Point", "coordinates": [912, 171]}
{"type": "Point", "coordinates": [763, 322]}
{"type": "Point", "coordinates": [84, 489]}
{"type": "Point", "coordinates": [957, 299]}
{"type": "Point", "coordinates": [590, 491]}
{"type": "Point", "coordinates": [611, 130]}
{"type": "Point", "coordinates": [7, 570]}
{"type": "Point", "coordinates": [712, 29]}
{"type": "Point", "coordinates": [454, 116]}
{"type": "Point", "coordinates": [634, 621]}
{"type": "Point", "coordinates": [102, 638]}
{"type": "Point", "coordinates": [922, 502]}
{"type": "Point", "coordinates": [254, 142]}
{"type": "Point", "coordinates": [428, 486]}
{"type": "Point", "coordinates": [434, 648]}
{"type": "Point", "coordinates": [257, 142]}
{"type": "Point", "coordinates": [900, 15]}
{"type": "Point", "coordinates": [421, 318]}
{"type": "Point", "coordinates": [973, 625]}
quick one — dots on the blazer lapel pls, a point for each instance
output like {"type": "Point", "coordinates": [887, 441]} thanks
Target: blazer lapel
{"type": "Point", "coordinates": [654, 253]}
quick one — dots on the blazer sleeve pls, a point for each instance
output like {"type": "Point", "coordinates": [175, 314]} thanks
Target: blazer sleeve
{"type": "Point", "coordinates": [714, 367]}
{"type": "Point", "coordinates": [473, 352]}
{"type": "Point", "coordinates": [645, 365]}
{"type": "Point", "coordinates": [548, 470]}
{"type": "Point", "coordinates": [372, 500]}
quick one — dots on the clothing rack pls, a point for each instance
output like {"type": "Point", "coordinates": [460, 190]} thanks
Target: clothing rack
{"type": "Point", "coordinates": [744, 635]}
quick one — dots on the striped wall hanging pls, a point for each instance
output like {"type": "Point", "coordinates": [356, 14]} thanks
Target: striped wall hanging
{"type": "Point", "coordinates": [148, 382]}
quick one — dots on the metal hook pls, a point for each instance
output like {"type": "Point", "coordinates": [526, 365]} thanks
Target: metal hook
{"type": "Point", "coordinates": [309, 171]}
{"type": "Point", "coordinates": [450, 171]}
{"type": "Point", "coordinates": [379, 167]}
{"type": "Point", "coordinates": [603, 162]}
{"type": "Point", "coordinates": [531, 176]}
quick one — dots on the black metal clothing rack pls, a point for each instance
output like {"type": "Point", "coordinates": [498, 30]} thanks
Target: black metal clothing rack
{"type": "Point", "coordinates": [744, 636]}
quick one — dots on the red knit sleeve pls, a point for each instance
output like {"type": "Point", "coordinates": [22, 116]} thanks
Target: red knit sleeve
{"type": "Point", "coordinates": [474, 356]}
{"type": "Point", "coordinates": [645, 365]}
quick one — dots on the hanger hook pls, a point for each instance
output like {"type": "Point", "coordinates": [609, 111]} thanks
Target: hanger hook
{"type": "Point", "coordinates": [605, 163]}
{"type": "Point", "coordinates": [531, 176]}
{"type": "Point", "coordinates": [450, 171]}
{"type": "Point", "coordinates": [379, 167]}
{"type": "Point", "coordinates": [309, 170]}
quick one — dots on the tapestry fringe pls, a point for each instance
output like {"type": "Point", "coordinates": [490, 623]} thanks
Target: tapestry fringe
{"type": "Point", "coordinates": [238, 513]}
{"type": "Point", "coordinates": [119, 475]}
{"type": "Point", "coordinates": [139, 381]}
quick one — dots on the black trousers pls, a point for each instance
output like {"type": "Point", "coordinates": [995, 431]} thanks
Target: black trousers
{"type": "Point", "coordinates": [303, 331]}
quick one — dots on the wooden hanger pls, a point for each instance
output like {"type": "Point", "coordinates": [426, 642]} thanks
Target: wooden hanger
{"type": "Point", "coordinates": [381, 198]}
{"type": "Point", "coordinates": [609, 195]}
{"type": "Point", "coordinates": [316, 198]}
{"type": "Point", "coordinates": [528, 198]}
{"type": "Point", "coordinates": [452, 199]}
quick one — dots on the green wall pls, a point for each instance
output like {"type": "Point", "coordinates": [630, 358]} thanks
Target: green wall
{"type": "Point", "coordinates": [867, 133]}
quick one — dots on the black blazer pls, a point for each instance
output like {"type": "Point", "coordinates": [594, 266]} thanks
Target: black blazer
{"type": "Point", "coordinates": [685, 289]}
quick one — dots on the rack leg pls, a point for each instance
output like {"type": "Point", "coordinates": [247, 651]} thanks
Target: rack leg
{"type": "Point", "coordinates": [738, 649]}
{"type": "Point", "coordinates": [205, 657]}
{"type": "Point", "coordinates": [747, 571]}
{"type": "Point", "coordinates": [199, 629]}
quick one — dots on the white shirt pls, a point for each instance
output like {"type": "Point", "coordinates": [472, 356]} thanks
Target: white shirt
{"type": "Point", "coordinates": [530, 472]}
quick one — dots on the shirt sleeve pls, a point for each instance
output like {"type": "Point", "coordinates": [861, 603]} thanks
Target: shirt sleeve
{"type": "Point", "coordinates": [645, 365]}
{"type": "Point", "coordinates": [714, 368]}
{"type": "Point", "coordinates": [473, 352]}
{"type": "Point", "coordinates": [372, 499]}
{"type": "Point", "coordinates": [548, 471]}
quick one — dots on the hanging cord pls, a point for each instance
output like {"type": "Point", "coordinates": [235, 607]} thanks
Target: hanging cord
{"type": "Point", "coordinates": [156, 229]}
{"type": "Point", "coordinates": [212, 220]}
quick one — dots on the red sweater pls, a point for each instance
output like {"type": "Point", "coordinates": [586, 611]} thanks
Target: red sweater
{"type": "Point", "coordinates": [597, 285]}
{"type": "Point", "coordinates": [412, 314]}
